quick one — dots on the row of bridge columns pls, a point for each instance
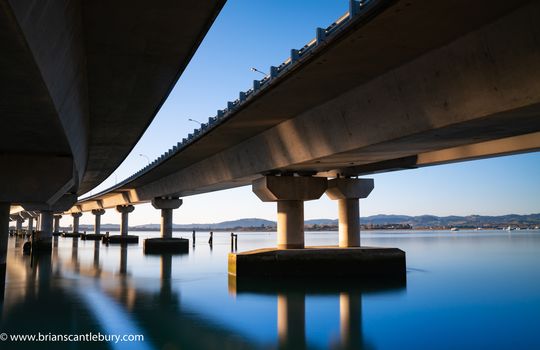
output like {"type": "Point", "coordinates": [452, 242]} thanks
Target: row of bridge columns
{"type": "Point", "coordinates": [165, 204]}
{"type": "Point", "coordinates": [289, 192]}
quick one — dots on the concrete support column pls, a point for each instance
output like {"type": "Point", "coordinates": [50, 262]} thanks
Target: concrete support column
{"type": "Point", "coordinates": [289, 192]}
{"type": "Point", "coordinates": [348, 192]}
{"type": "Point", "coordinates": [291, 317]}
{"type": "Point", "coordinates": [97, 222]}
{"type": "Point", "coordinates": [290, 224]}
{"type": "Point", "coordinates": [167, 205]}
{"type": "Point", "coordinates": [76, 217]}
{"type": "Point", "coordinates": [4, 234]}
{"type": "Point", "coordinates": [18, 225]}
{"type": "Point", "coordinates": [349, 222]}
{"type": "Point", "coordinates": [124, 210]}
{"type": "Point", "coordinates": [30, 224]}
{"type": "Point", "coordinates": [56, 227]}
{"type": "Point", "coordinates": [46, 224]}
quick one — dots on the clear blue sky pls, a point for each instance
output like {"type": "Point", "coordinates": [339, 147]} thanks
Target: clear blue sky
{"type": "Point", "coordinates": [255, 33]}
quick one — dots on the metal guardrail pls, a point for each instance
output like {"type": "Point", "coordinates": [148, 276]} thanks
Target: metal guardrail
{"type": "Point", "coordinates": [323, 35]}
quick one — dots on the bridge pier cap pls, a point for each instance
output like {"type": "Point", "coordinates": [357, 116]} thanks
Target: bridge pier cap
{"type": "Point", "coordinates": [98, 212]}
{"type": "Point", "coordinates": [282, 188]}
{"type": "Point", "coordinates": [166, 203]}
{"type": "Point", "coordinates": [346, 188]}
{"type": "Point", "coordinates": [125, 209]}
{"type": "Point", "coordinates": [289, 192]}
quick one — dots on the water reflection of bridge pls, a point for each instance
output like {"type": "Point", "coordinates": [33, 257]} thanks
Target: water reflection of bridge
{"type": "Point", "coordinates": [59, 294]}
{"type": "Point", "coordinates": [291, 305]}
{"type": "Point", "coordinates": [63, 297]}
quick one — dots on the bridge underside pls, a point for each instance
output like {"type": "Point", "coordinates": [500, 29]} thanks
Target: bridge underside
{"type": "Point", "coordinates": [80, 81]}
{"type": "Point", "coordinates": [371, 103]}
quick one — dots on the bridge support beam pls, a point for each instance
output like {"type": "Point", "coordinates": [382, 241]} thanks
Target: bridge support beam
{"type": "Point", "coordinates": [348, 192]}
{"type": "Point", "coordinates": [166, 244]}
{"type": "Point", "coordinates": [43, 240]}
{"type": "Point", "coordinates": [289, 261]}
{"type": "Point", "coordinates": [18, 224]}
{"type": "Point", "coordinates": [56, 227]}
{"type": "Point", "coordinates": [123, 238]}
{"type": "Point", "coordinates": [167, 205]}
{"type": "Point", "coordinates": [289, 192]}
{"type": "Point", "coordinates": [124, 210]}
{"type": "Point", "coordinates": [30, 225]}
{"type": "Point", "coordinates": [76, 217]}
{"type": "Point", "coordinates": [97, 220]}
{"type": "Point", "coordinates": [97, 226]}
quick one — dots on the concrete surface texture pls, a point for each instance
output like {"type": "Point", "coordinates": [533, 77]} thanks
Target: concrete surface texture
{"type": "Point", "coordinates": [80, 81]}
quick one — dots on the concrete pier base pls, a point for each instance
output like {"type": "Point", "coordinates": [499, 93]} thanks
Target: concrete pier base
{"type": "Point", "coordinates": [121, 239]}
{"type": "Point", "coordinates": [71, 234]}
{"type": "Point", "coordinates": [370, 262]}
{"type": "Point", "coordinates": [92, 237]}
{"type": "Point", "coordinates": [166, 245]}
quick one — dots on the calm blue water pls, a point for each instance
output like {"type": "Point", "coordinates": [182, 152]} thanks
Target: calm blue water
{"type": "Point", "coordinates": [464, 290]}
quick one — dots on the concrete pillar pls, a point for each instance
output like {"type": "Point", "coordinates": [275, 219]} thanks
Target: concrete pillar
{"type": "Point", "coordinates": [56, 227]}
{"type": "Point", "coordinates": [291, 318]}
{"type": "Point", "coordinates": [348, 192]}
{"type": "Point", "coordinates": [124, 210]}
{"type": "Point", "coordinates": [76, 217]}
{"type": "Point", "coordinates": [46, 219]}
{"type": "Point", "coordinates": [350, 320]}
{"type": "Point", "coordinates": [290, 224]}
{"type": "Point", "coordinates": [167, 205]}
{"type": "Point", "coordinates": [30, 224]}
{"type": "Point", "coordinates": [289, 192]}
{"type": "Point", "coordinates": [4, 233]}
{"type": "Point", "coordinates": [18, 224]}
{"type": "Point", "coordinates": [97, 222]}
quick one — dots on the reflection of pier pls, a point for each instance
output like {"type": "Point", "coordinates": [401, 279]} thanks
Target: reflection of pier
{"type": "Point", "coordinates": [291, 309]}
{"type": "Point", "coordinates": [44, 305]}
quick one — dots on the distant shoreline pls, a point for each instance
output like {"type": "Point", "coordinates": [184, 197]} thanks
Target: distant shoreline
{"type": "Point", "coordinates": [272, 230]}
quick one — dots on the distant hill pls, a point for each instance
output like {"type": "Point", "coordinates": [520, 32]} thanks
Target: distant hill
{"type": "Point", "coordinates": [437, 221]}
{"type": "Point", "coordinates": [414, 221]}
{"type": "Point", "coordinates": [249, 222]}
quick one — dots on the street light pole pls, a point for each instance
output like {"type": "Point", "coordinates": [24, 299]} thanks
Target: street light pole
{"type": "Point", "coordinates": [145, 156]}
{"type": "Point", "coordinates": [253, 69]}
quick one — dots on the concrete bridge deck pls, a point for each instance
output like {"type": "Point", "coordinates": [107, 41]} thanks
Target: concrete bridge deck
{"type": "Point", "coordinates": [390, 85]}
{"type": "Point", "coordinates": [80, 81]}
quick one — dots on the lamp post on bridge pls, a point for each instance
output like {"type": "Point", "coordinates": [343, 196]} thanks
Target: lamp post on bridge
{"type": "Point", "coordinates": [145, 156]}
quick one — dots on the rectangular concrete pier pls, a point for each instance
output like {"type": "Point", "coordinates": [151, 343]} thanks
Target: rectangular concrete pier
{"type": "Point", "coordinates": [319, 261]}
